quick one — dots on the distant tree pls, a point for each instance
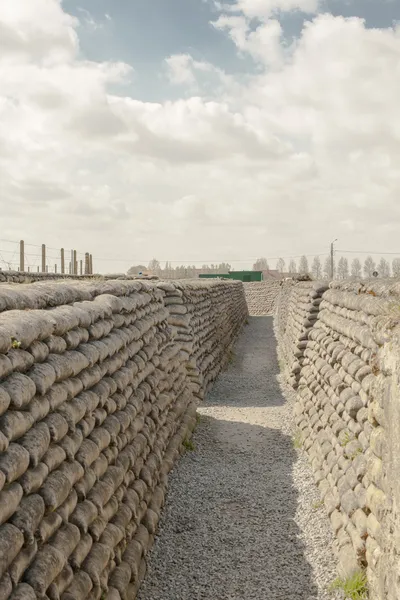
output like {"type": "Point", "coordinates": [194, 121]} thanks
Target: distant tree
{"type": "Point", "coordinates": [303, 265]}
{"type": "Point", "coordinates": [155, 267]}
{"type": "Point", "coordinates": [343, 268]}
{"type": "Point", "coordinates": [356, 269]}
{"type": "Point", "coordinates": [292, 267]}
{"type": "Point", "coordinates": [261, 264]}
{"type": "Point", "coordinates": [383, 268]}
{"type": "Point", "coordinates": [316, 268]}
{"type": "Point", "coordinates": [136, 269]}
{"type": "Point", "coordinates": [396, 267]}
{"type": "Point", "coordinates": [327, 269]}
{"type": "Point", "coordinates": [369, 266]}
{"type": "Point", "coordinates": [280, 265]}
{"type": "Point", "coordinates": [224, 268]}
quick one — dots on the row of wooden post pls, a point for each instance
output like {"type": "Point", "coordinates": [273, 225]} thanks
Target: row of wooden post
{"type": "Point", "coordinates": [75, 267]}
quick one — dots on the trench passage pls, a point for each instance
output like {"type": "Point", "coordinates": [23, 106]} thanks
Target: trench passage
{"type": "Point", "coordinates": [228, 529]}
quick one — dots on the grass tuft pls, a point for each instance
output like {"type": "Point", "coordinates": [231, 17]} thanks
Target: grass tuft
{"type": "Point", "coordinates": [188, 445]}
{"type": "Point", "coordinates": [354, 587]}
{"type": "Point", "coordinates": [297, 440]}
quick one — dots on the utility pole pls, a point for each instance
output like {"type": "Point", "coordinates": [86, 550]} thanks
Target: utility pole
{"type": "Point", "coordinates": [22, 255]}
{"type": "Point", "coordinates": [332, 259]}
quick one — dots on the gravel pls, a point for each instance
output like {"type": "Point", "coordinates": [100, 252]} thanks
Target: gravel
{"type": "Point", "coordinates": [242, 518]}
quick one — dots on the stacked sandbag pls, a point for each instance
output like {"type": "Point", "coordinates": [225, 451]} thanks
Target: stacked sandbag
{"type": "Point", "coordinates": [300, 311]}
{"type": "Point", "coordinates": [261, 297]}
{"type": "Point", "coordinates": [95, 406]}
{"type": "Point", "coordinates": [281, 309]}
{"type": "Point", "coordinates": [208, 317]}
{"type": "Point", "coordinates": [28, 277]}
{"type": "Point", "coordinates": [340, 412]}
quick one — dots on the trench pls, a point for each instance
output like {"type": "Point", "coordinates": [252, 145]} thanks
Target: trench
{"type": "Point", "coordinates": [241, 518]}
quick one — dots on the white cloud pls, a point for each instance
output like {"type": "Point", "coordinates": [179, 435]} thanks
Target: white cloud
{"type": "Point", "coordinates": [35, 31]}
{"type": "Point", "coordinates": [263, 9]}
{"type": "Point", "coordinates": [263, 43]}
{"type": "Point", "coordinates": [274, 163]}
{"type": "Point", "coordinates": [180, 69]}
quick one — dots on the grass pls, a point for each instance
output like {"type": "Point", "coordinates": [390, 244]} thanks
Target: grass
{"type": "Point", "coordinates": [188, 445]}
{"type": "Point", "coordinates": [15, 343]}
{"type": "Point", "coordinates": [198, 418]}
{"type": "Point", "coordinates": [297, 441]}
{"type": "Point", "coordinates": [231, 357]}
{"type": "Point", "coordinates": [318, 505]}
{"type": "Point", "coordinates": [354, 587]}
{"type": "Point", "coordinates": [347, 438]}
{"type": "Point", "coordinates": [355, 453]}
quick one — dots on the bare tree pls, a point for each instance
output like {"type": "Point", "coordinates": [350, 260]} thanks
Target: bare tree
{"type": "Point", "coordinates": [261, 264]}
{"type": "Point", "coordinates": [155, 267]}
{"type": "Point", "coordinates": [396, 267]}
{"type": "Point", "coordinates": [280, 265]}
{"type": "Point", "coordinates": [356, 268]}
{"type": "Point", "coordinates": [303, 265]}
{"type": "Point", "coordinates": [384, 268]}
{"type": "Point", "coordinates": [327, 269]}
{"type": "Point", "coordinates": [343, 268]}
{"type": "Point", "coordinates": [292, 267]}
{"type": "Point", "coordinates": [369, 266]}
{"type": "Point", "coordinates": [316, 268]}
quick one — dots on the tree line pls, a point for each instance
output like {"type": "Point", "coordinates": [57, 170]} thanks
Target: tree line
{"type": "Point", "coordinates": [179, 272]}
{"type": "Point", "coordinates": [342, 268]}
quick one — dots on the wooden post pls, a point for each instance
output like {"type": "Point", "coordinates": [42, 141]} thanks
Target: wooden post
{"type": "Point", "coordinates": [70, 268]}
{"type": "Point", "coordinates": [29, 269]}
{"type": "Point", "coordinates": [90, 264]}
{"type": "Point", "coordinates": [75, 264]}
{"type": "Point", "coordinates": [22, 255]}
{"type": "Point", "coordinates": [80, 267]}
{"type": "Point", "coordinates": [38, 269]}
{"type": "Point", "coordinates": [62, 261]}
{"type": "Point", "coordinates": [43, 258]}
{"type": "Point", "coordinates": [47, 268]}
{"type": "Point", "coordinates": [55, 268]}
{"type": "Point", "coordinates": [86, 263]}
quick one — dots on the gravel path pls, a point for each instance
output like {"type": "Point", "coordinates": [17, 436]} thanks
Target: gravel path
{"type": "Point", "coordinates": [241, 519]}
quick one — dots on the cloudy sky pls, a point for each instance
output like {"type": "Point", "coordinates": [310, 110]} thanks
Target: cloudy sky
{"type": "Point", "coordinates": [199, 131]}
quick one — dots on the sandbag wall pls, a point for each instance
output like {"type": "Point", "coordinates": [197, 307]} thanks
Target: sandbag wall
{"type": "Point", "coordinates": [95, 403]}
{"type": "Point", "coordinates": [297, 312]}
{"type": "Point", "coordinates": [205, 334]}
{"type": "Point", "coordinates": [31, 277]}
{"type": "Point", "coordinates": [348, 394]}
{"type": "Point", "coordinates": [261, 297]}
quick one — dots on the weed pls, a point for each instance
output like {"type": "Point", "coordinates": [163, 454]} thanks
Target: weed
{"type": "Point", "coordinates": [246, 322]}
{"type": "Point", "coordinates": [354, 587]}
{"type": "Point", "coordinates": [231, 356]}
{"type": "Point", "coordinates": [355, 453]}
{"type": "Point", "coordinates": [297, 441]}
{"type": "Point", "coordinates": [15, 343]}
{"type": "Point", "coordinates": [188, 445]}
{"type": "Point", "coordinates": [318, 505]}
{"type": "Point", "coordinates": [198, 418]}
{"type": "Point", "coordinates": [347, 438]}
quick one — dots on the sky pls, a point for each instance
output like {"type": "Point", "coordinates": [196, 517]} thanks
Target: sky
{"type": "Point", "coordinates": [199, 131]}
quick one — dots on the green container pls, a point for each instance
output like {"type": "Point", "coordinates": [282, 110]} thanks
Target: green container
{"type": "Point", "coordinates": [245, 276]}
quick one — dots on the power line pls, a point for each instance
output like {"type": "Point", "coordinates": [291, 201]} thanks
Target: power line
{"type": "Point", "coordinates": [369, 252]}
